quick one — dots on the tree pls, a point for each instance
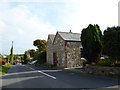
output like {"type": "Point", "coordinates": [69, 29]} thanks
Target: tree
{"type": "Point", "coordinates": [111, 42]}
{"type": "Point", "coordinates": [41, 57]}
{"type": "Point", "coordinates": [41, 51]}
{"type": "Point", "coordinates": [32, 52]}
{"type": "Point", "coordinates": [41, 44]}
{"type": "Point", "coordinates": [91, 42]}
{"type": "Point", "coordinates": [26, 57]}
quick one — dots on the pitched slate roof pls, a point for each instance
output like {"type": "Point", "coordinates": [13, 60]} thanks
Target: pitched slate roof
{"type": "Point", "coordinates": [51, 36]}
{"type": "Point", "coordinates": [69, 36]}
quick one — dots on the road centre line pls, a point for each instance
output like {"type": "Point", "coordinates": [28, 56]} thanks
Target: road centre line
{"type": "Point", "coordinates": [47, 75]}
{"type": "Point", "coordinates": [44, 73]}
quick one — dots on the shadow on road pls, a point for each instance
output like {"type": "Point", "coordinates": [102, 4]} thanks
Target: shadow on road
{"type": "Point", "coordinates": [33, 79]}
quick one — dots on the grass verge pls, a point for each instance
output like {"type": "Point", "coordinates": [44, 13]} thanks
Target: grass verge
{"type": "Point", "coordinates": [4, 68]}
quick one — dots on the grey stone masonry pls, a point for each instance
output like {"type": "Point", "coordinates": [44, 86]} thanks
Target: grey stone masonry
{"type": "Point", "coordinates": [50, 48]}
{"type": "Point", "coordinates": [103, 70]}
{"type": "Point", "coordinates": [64, 50]}
{"type": "Point", "coordinates": [73, 54]}
{"type": "Point", "coordinates": [59, 51]}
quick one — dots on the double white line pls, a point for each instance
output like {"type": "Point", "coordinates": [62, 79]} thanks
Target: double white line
{"type": "Point", "coordinates": [44, 73]}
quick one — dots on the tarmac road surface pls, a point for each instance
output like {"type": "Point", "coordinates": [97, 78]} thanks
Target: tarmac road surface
{"type": "Point", "coordinates": [29, 76]}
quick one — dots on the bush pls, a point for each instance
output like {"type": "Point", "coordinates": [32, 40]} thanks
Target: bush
{"type": "Point", "coordinates": [106, 62]}
{"type": "Point", "coordinates": [4, 68]}
{"type": "Point", "coordinates": [8, 65]}
{"type": "Point", "coordinates": [91, 39]}
{"type": "Point", "coordinates": [41, 57]}
{"type": "Point", "coordinates": [111, 43]}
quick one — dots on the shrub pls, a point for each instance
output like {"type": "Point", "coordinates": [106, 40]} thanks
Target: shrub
{"type": "Point", "coordinates": [92, 43]}
{"type": "Point", "coordinates": [41, 57]}
{"type": "Point", "coordinates": [111, 42]}
{"type": "Point", "coordinates": [4, 68]}
{"type": "Point", "coordinates": [106, 62]}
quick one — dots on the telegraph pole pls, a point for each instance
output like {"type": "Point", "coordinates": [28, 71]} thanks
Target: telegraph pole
{"type": "Point", "coordinates": [11, 54]}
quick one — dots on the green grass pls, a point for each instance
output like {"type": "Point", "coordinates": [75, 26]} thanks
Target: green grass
{"type": "Point", "coordinates": [4, 68]}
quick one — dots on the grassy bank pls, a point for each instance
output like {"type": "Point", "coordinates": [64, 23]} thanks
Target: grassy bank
{"type": "Point", "coordinates": [4, 68]}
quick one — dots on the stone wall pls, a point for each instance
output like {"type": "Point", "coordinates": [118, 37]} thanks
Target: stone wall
{"type": "Point", "coordinates": [103, 70]}
{"type": "Point", "coordinates": [73, 53]}
{"type": "Point", "coordinates": [59, 50]}
{"type": "Point", "coordinates": [67, 53]}
{"type": "Point", "coordinates": [49, 51]}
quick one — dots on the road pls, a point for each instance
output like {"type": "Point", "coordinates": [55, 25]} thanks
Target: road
{"type": "Point", "coordinates": [29, 76]}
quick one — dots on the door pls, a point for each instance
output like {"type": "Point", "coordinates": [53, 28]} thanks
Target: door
{"type": "Point", "coordinates": [55, 59]}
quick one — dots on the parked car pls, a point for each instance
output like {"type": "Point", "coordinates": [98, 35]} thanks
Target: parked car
{"type": "Point", "coordinates": [33, 62]}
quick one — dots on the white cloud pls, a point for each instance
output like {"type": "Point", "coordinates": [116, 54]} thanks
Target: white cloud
{"type": "Point", "coordinates": [2, 26]}
{"type": "Point", "coordinates": [38, 0]}
{"type": "Point", "coordinates": [23, 27]}
{"type": "Point", "coordinates": [23, 23]}
{"type": "Point", "coordinates": [101, 12]}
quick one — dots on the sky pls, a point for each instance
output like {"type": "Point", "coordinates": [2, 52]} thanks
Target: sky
{"type": "Point", "coordinates": [24, 21]}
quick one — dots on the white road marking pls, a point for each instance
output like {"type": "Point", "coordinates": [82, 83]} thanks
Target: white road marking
{"type": "Point", "coordinates": [44, 73]}
{"type": "Point", "coordinates": [47, 75]}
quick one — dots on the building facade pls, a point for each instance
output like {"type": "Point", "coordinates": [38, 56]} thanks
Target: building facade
{"type": "Point", "coordinates": [66, 50]}
{"type": "Point", "coordinates": [50, 48]}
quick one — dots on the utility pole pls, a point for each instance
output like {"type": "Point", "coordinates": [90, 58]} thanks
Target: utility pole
{"type": "Point", "coordinates": [11, 54]}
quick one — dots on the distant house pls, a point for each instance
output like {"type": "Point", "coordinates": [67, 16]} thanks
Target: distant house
{"type": "Point", "coordinates": [65, 49]}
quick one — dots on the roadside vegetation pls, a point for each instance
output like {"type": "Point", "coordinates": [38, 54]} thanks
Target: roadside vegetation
{"type": "Point", "coordinates": [39, 54]}
{"type": "Point", "coordinates": [4, 68]}
{"type": "Point", "coordinates": [109, 62]}
{"type": "Point", "coordinates": [96, 45]}
{"type": "Point", "coordinates": [91, 38]}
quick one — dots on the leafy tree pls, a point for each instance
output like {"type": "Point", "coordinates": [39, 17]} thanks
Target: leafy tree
{"type": "Point", "coordinates": [41, 51]}
{"type": "Point", "coordinates": [32, 52]}
{"type": "Point", "coordinates": [91, 42]}
{"type": "Point", "coordinates": [41, 57]}
{"type": "Point", "coordinates": [26, 57]}
{"type": "Point", "coordinates": [40, 44]}
{"type": "Point", "coordinates": [111, 42]}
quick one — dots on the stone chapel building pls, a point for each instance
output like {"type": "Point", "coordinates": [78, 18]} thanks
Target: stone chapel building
{"type": "Point", "coordinates": [50, 48]}
{"type": "Point", "coordinates": [63, 49]}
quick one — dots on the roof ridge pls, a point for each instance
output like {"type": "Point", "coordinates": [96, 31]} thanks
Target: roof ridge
{"type": "Point", "coordinates": [68, 32]}
{"type": "Point", "coordinates": [51, 34]}
{"type": "Point", "coordinates": [68, 36]}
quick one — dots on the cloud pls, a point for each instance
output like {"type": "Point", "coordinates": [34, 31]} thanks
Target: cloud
{"type": "Point", "coordinates": [24, 22]}
{"type": "Point", "coordinates": [22, 26]}
{"type": "Point", "coordinates": [101, 12]}
{"type": "Point", "coordinates": [38, 0]}
{"type": "Point", "coordinates": [2, 26]}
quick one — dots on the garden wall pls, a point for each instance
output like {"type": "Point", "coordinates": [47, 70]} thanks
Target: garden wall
{"type": "Point", "coordinates": [103, 70]}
